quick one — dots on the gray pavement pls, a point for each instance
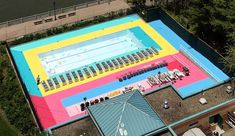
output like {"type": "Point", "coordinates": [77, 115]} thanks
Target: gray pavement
{"type": "Point", "coordinates": [13, 9]}
{"type": "Point", "coordinates": [18, 30]}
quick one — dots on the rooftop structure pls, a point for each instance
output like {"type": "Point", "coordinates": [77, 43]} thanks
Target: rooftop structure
{"type": "Point", "coordinates": [101, 65]}
{"type": "Point", "coordinates": [127, 114]}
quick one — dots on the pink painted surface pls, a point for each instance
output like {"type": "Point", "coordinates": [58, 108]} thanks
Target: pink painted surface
{"type": "Point", "coordinates": [54, 100]}
{"type": "Point", "coordinates": [56, 113]}
{"type": "Point", "coordinates": [196, 73]}
{"type": "Point", "coordinates": [43, 111]}
{"type": "Point", "coordinates": [57, 109]}
{"type": "Point", "coordinates": [75, 109]}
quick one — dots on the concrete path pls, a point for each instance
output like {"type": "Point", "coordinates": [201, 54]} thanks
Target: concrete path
{"type": "Point", "coordinates": [14, 9]}
{"type": "Point", "coordinates": [14, 31]}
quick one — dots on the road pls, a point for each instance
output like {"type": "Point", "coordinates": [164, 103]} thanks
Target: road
{"type": "Point", "coordinates": [13, 9]}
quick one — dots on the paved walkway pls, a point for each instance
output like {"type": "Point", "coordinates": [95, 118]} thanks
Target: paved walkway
{"type": "Point", "coordinates": [18, 30]}
{"type": "Point", "coordinates": [14, 9]}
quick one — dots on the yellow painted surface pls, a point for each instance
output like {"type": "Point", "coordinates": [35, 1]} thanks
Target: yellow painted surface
{"type": "Point", "coordinates": [37, 69]}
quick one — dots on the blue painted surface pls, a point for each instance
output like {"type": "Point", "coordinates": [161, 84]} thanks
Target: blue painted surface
{"type": "Point", "coordinates": [107, 88]}
{"type": "Point", "coordinates": [22, 65]}
{"type": "Point", "coordinates": [64, 36]}
{"type": "Point", "coordinates": [168, 34]}
{"type": "Point", "coordinates": [217, 73]}
{"type": "Point", "coordinates": [161, 28]}
{"type": "Point", "coordinates": [179, 43]}
{"type": "Point", "coordinates": [25, 73]}
{"type": "Point", "coordinates": [196, 87]}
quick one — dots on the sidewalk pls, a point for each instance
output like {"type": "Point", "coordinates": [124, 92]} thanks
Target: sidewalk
{"type": "Point", "coordinates": [18, 30]}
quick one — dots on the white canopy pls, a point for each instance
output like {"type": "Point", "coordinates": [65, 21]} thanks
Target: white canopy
{"type": "Point", "coordinates": [194, 132]}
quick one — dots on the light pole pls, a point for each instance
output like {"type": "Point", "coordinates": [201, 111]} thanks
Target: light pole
{"type": "Point", "coordinates": [54, 4]}
{"type": "Point", "coordinates": [233, 84]}
{"type": "Point", "coordinates": [85, 100]}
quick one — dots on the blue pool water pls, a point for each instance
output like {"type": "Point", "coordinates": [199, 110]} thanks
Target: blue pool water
{"type": "Point", "coordinates": [140, 39]}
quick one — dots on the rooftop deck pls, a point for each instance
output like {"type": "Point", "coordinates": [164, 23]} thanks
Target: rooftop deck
{"type": "Point", "coordinates": [179, 108]}
{"type": "Point", "coordinates": [189, 106]}
{"type": "Point", "coordinates": [84, 127]}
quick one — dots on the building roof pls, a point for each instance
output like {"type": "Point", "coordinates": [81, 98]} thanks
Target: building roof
{"type": "Point", "coordinates": [127, 114]}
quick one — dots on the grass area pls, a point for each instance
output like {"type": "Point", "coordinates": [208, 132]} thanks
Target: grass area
{"type": "Point", "coordinates": [15, 116]}
{"type": "Point", "coordinates": [5, 128]}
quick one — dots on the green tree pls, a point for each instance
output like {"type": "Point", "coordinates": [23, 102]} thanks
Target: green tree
{"type": "Point", "coordinates": [229, 61]}
{"type": "Point", "coordinates": [12, 100]}
{"type": "Point", "coordinates": [211, 20]}
{"type": "Point", "coordinates": [140, 4]}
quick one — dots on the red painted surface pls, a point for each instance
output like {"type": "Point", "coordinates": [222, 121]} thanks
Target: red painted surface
{"type": "Point", "coordinates": [43, 111]}
{"type": "Point", "coordinates": [196, 73]}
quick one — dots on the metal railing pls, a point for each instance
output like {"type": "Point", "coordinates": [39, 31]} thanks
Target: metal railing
{"type": "Point", "coordinates": [200, 64]}
{"type": "Point", "coordinates": [50, 13]}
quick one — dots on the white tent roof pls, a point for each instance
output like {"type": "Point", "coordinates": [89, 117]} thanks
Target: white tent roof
{"type": "Point", "coordinates": [194, 132]}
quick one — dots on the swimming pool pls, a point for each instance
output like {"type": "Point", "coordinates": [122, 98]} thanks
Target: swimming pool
{"type": "Point", "coordinates": [95, 50]}
{"type": "Point", "coordinates": [88, 52]}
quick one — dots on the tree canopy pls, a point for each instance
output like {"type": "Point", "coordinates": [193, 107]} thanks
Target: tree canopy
{"type": "Point", "coordinates": [12, 100]}
{"type": "Point", "coordinates": [230, 59]}
{"type": "Point", "coordinates": [211, 20]}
